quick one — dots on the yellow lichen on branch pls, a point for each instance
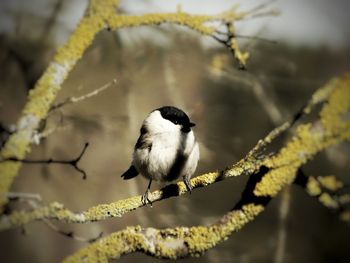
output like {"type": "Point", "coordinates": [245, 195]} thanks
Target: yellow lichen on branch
{"type": "Point", "coordinates": [99, 15]}
{"type": "Point", "coordinates": [280, 170]}
{"type": "Point", "coordinates": [173, 243]}
{"type": "Point", "coordinates": [303, 146]}
{"type": "Point", "coordinates": [45, 91]}
{"type": "Point", "coordinates": [325, 189]}
{"type": "Point", "coordinates": [310, 138]}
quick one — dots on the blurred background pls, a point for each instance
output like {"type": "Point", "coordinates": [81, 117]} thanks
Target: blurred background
{"type": "Point", "coordinates": [170, 65]}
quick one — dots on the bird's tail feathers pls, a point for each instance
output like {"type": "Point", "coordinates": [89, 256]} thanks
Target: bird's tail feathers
{"type": "Point", "coordinates": [130, 173]}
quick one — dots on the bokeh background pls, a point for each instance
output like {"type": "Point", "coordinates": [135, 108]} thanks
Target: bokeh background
{"type": "Point", "coordinates": [169, 65]}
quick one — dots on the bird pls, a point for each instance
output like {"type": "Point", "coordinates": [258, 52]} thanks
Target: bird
{"type": "Point", "coordinates": [165, 150]}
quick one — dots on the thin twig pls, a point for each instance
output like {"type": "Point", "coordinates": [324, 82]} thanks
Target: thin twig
{"type": "Point", "coordinates": [71, 234]}
{"type": "Point", "coordinates": [47, 132]}
{"type": "Point", "coordinates": [244, 36]}
{"type": "Point", "coordinates": [14, 196]}
{"type": "Point", "coordinates": [73, 162]}
{"type": "Point", "coordinates": [52, 20]}
{"type": "Point", "coordinates": [70, 100]}
{"type": "Point", "coordinates": [260, 6]}
{"type": "Point", "coordinates": [34, 199]}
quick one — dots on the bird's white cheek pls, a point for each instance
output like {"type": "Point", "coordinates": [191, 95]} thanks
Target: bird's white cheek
{"type": "Point", "coordinates": [155, 123]}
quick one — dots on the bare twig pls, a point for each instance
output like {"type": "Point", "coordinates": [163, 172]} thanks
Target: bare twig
{"type": "Point", "coordinates": [95, 92]}
{"type": "Point", "coordinates": [224, 34]}
{"type": "Point", "coordinates": [73, 162]}
{"type": "Point", "coordinates": [282, 231]}
{"type": "Point", "coordinates": [33, 200]}
{"type": "Point", "coordinates": [14, 196]}
{"type": "Point", "coordinates": [260, 6]}
{"type": "Point", "coordinates": [47, 132]}
{"type": "Point", "coordinates": [71, 234]}
{"type": "Point", "coordinates": [52, 20]}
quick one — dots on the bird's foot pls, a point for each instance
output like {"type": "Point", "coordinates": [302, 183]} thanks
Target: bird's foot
{"type": "Point", "coordinates": [187, 184]}
{"type": "Point", "coordinates": [144, 199]}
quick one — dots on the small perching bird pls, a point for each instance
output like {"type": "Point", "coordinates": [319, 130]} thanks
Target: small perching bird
{"type": "Point", "coordinates": [166, 148]}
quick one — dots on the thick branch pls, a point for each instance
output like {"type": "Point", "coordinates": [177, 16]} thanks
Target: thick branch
{"type": "Point", "coordinates": [308, 140]}
{"type": "Point", "coordinates": [275, 173]}
{"type": "Point", "coordinates": [99, 15]}
{"type": "Point", "coordinates": [169, 243]}
{"type": "Point", "coordinates": [250, 164]}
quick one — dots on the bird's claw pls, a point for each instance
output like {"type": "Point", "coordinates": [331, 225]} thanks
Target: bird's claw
{"type": "Point", "coordinates": [188, 184]}
{"type": "Point", "coordinates": [144, 199]}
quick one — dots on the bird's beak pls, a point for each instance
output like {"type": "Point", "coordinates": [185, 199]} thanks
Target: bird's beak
{"type": "Point", "coordinates": [191, 124]}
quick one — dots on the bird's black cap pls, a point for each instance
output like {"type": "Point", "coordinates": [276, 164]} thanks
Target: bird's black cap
{"type": "Point", "coordinates": [176, 116]}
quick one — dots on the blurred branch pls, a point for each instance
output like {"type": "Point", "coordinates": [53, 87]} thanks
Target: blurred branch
{"type": "Point", "coordinates": [93, 93]}
{"type": "Point", "coordinates": [15, 196]}
{"type": "Point", "coordinates": [74, 162]}
{"type": "Point", "coordinates": [324, 188]}
{"type": "Point", "coordinates": [269, 178]}
{"type": "Point", "coordinates": [230, 42]}
{"type": "Point", "coordinates": [52, 20]}
{"type": "Point", "coordinates": [71, 234]}
{"type": "Point", "coordinates": [43, 133]}
{"type": "Point", "coordinates": [280, 169]}
{"type": "Point", "coordinates": [247, 166]}
{"type": "Point", "coordinates": [98, 16]}
{"type": "Point", "coordinates": [282, 231]}
{"type": "Point", "coordinates": [34, 200]}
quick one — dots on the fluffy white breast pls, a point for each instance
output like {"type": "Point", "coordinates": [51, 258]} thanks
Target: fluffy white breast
{"type": "Point", "coordinates": [168, 141]}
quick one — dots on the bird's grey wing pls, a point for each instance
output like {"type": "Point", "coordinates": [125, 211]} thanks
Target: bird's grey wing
{"type": "Point", "coordinates": [143, 142]}
{"type": "Point", "coordinates": [130, 173]}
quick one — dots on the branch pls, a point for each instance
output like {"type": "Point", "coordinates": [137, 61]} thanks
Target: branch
{"type": "Point", "coordinates": [15, 196]}
{"type": "Point", "coordinates": [58, 6]}
{"type": "Point", "coordinates": [99, 15]}
{"type": "Point", "coordinates": [331, 127]}
{"type": "Point", "coordinates": [74, 162]}
{"type": "Point", "coordinates": [71, 234]}
{"type": "Point", "coordinates": [247, 166]}
{"type": "Point", "coordinates": [93, 93]}
{"type": "Point", "coordinates": [308, 140]}
{"type": "Point", "coordinates": [169, 243]}
{"type": "Point", "coordinates": [39, 135]}
{"type": "Point", "coordinates": [34, 200]}
{"type": "Point", "coordinates": [324, 190]}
